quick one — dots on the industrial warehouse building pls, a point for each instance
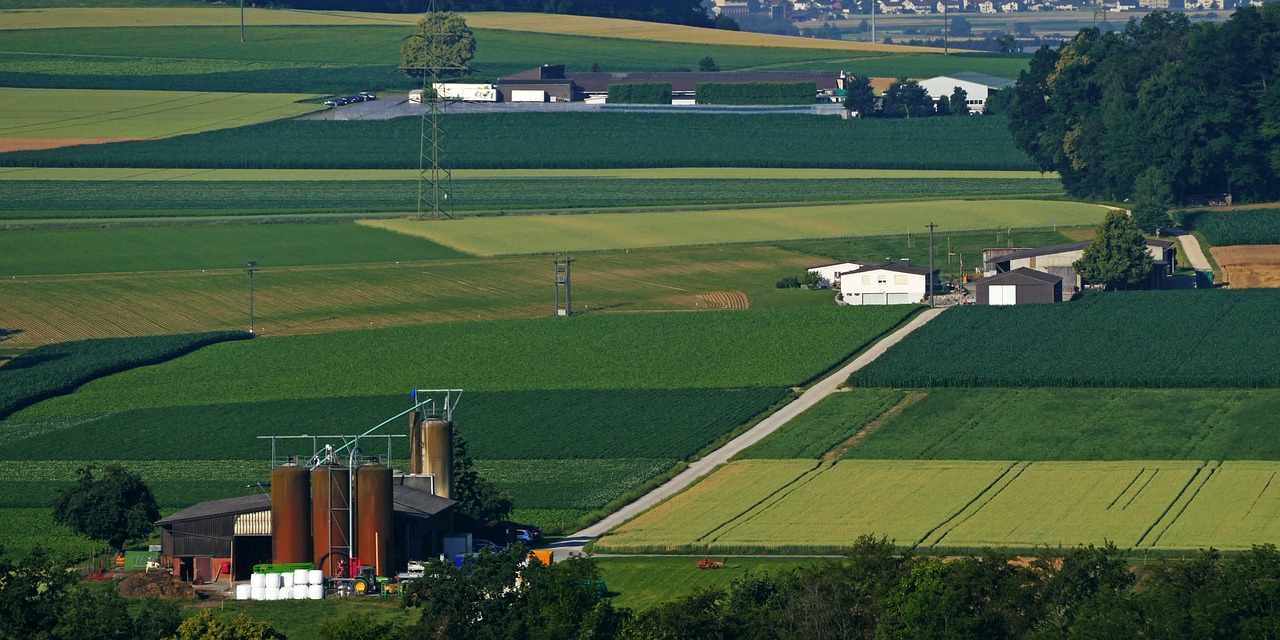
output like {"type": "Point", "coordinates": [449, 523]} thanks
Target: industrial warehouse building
{"type": "Point", "coordinates": [977, 88]}
{"type": "Point", "coordinates": [891, 283]}
{"type": "Point", "coordinates": [1020, 286]}
{"type": "Point", "coordinates": [236, 533]}
{"type": "Point", "coordinates": [560, 86]}
{"type": "Point", "coordinates": [1060, 260]}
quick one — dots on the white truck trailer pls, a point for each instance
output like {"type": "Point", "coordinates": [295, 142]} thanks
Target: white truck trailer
{"type": "Point", "coordinates": [463, 92]}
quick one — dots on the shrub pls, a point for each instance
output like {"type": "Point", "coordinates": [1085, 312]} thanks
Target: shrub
{"type": "Point", "coordinates": [756, 92]}
{"type": "Point", "coordinates": [640, 93]}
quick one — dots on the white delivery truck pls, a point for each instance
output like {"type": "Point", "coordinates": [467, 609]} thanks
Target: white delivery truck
{"type": "Point", "coordinates": [466, 92]}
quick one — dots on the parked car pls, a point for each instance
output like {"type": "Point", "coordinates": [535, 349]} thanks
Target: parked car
{"type": "Point", "coordinates": [333, 102]}
{"type": "Point", "coordinates": [479, 545]}
{"type": "Point", "coordinates": [368, 96]}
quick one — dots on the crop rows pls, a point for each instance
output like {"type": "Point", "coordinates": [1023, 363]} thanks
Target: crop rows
{"type": "Point", "coordinates": [827, 424]}
{"type": "Point", "coordinates": [571, 140]}
{"type": "Point", "coordinates": [498, 425]}
{"type": "Point", "coordinates": [713, 350]}
{"type": "Point", "coordinates": [63, 198]}
{"type": "Point", "coordinates": [1225, 228]}
{"type": "Point", "coordinates": [791, 505]}
{"type": "Point", "coordinates": [1121, 339]}
{"type": "Point", "coordinates": [551, 483]}
{"type": "Point", "coordinates": [1074, 424]}
{"type": "Point", "coordinates": [57, 369]}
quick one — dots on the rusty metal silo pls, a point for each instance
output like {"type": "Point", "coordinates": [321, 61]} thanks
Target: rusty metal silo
{"type": "Point", "coordinates": [330, 512]}
{"type": "Point", "coordinates": [417, 450]}
{"type": "Point", "coordinates": [437, 459]}
{"type": "Point", "coordinates": [291, 514]}
{"type": "Point", "coordinates": [374, 511]}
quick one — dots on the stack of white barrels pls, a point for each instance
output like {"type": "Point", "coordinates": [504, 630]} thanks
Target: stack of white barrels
{"type": "Point", "coordinates": [302, 584]}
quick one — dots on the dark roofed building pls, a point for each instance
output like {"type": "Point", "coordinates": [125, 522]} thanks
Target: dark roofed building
{"type": "Point", "coordinates": [1059, 260]}
{"type": "Point", "coordinates": [236, 532]}
{"type": "Point", "coordinates": [1020, 286]}
{"type": "Point", "coordinates": [549, 78]}
{"type": "Point", "coordinates": [579, 86]}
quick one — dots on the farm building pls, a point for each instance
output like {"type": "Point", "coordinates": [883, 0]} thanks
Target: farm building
{"type": "Point", "coordinates": [890, 283]}
{"type": "Point", "coordinates": [1020, 286]}
{"type": "Point", "coordinates": [976, 86]}
{"type": "Point", "coordinates": [829, 274]}
{"type": "Point", "coordinates": [566, 87]}
{"type": "Point", "coordinates": [237, 533]}
{"type": "Point", "coordinates": [1059, 260]}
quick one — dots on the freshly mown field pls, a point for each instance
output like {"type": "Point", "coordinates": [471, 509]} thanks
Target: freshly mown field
{"type": "Point", "coordinates": [82, 113]}
{"type": "Point", "coordinates": [713, 350]}
{"type": "Point", "coordinates": [571, 140]}
{"type": "Point", "coordinates": [1223, 228]}
{"type": "Point", "coordinates": [1068, 424]}
{"type": "Point", "coordinates": [829, 423]}
{"type": "Point", "coordinates": [797, 506]}
{"type": "Point", "coordinates": [38, 199]}
{"type": "Point", "coordinates": [543, 234]}
{"type": "Point", "coordinates": [1125, 339]}
{"type": "Point", "coordinates": [294, 300]}
{"type": "Point", "coordinates": [122, 249]}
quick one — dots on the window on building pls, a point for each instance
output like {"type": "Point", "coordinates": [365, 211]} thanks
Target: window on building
{"type": "Point", "coordinates": [866, 279]}
{"type": "Point", "coordinates": [899, 279]}
{"type": "Point", "coordinates": [881, 279]}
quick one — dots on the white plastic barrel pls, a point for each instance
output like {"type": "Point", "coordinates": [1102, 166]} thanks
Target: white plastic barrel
{"type": "Point", "coordinates": [300, 591]}
{"type": "Point", "coordinates": [315, 576]}
{"type": "Point", "coordinates": [315, 592]}
{"type": "Point", "coordinates": [258, 580]}
{"type": "Point", "coordinates": [258, 593]}
{"type": "Point", "coordinates": [273, 580]}
{"type": "Point", "coordinates": [286, 581]}
{"type": "Point", "coordinates": [300, 576]}
{"type": "Point", "coordinates": [272, 593]}
{"type": "Point", "coordinates": [244, 592]}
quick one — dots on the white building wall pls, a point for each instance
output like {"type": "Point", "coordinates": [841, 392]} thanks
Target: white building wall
{"type": "Point", "coordinates": [829, 273]}
{"type": "Point", "coordinates": [944, 86]}
{"type": "Point", "coordinates": [853, 286]}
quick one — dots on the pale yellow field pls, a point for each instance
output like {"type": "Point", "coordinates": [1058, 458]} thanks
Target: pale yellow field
{"type": "Point", "coordinates": [711, 173]}
{"type": "Point", "coordinates": [547, 233]}
{"type": "Point", "coordinates": [1238, 506]}
{"type": "Point", "coordinates": [791, 504]}
{"type": "Point", "coordinates": [535, 22]}
{"type": "Point", "coordinates": [87, 113]}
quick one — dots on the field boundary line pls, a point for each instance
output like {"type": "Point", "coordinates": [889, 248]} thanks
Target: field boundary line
{"type": "Point", "coordinates": [1260, 494]}
{"type": "Point", "coordinates": [970, 506]}
{"type": "Point", "coordinates": [1170, 506]}
{"type": "Point", "coordinates": [774, 497]}
{"type": "Point", "coordinates": [573, 544]}
{"type": "Point", "coordinates": [908, 399]}
{"type": "Point", "coordinates": [1212, 468]}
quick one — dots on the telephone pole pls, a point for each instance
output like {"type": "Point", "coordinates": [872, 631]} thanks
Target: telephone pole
{"type": "Point", "coordinates": [253, 267]}
{"type": "Point", "coordinates": [929, 278]}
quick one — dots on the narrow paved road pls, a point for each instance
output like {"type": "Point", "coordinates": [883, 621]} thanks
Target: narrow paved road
{"type": "Point", "coordinates": [1191, 249]}
{"type": "Point", "coordinates": [573, 544]}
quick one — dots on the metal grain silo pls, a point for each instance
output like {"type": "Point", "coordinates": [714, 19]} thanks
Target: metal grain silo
{"type": "Point", "coordinates": [374, 511]}
{"type": "Point", "coordinates": [330, 512]}
{"type": "Point", "coordinates": [417, 449]}
{"type": "Point", "coordinates": [437, 439]}
{"type": "Point", "coordinates": [291, 514]}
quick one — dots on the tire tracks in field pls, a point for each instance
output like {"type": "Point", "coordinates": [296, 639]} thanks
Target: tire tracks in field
{"type": "Point", "coordinates": [768, 501]}
{"type": "Point", "coordinates": [1202, 476]}
{"type": "Point", "coordinates": [1015, 469]}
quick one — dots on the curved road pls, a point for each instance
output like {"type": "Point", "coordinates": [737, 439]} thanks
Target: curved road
{"type": "Point", "coordinates": [573, 544]}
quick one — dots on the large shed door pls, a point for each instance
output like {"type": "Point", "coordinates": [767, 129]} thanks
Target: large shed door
{"type": "Point", "coordinates": [899, 298]}
{"type": "Point", "coordinates": [1003, 294]}
{"type": "Point", "coordinates": [873, 298]}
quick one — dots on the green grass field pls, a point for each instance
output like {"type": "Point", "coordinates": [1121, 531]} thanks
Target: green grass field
{"type": "Point", "coordinates": [948, 505]}
{"type": "Point", "coordinates": [1072, 424]}
{"type": "Point", "coordinates": [642, 583]}
{"type": "Point", "coordinates": [829, 423]}
{"type": "Point", "coordinates": [951, 248]}
{"type": "Point", "coordinates": [541, 234]}
{"type": "Point", "coordinates": [311, 299]}
{"type": "Point", "coordinates": [572, 141]}
{"type": "Point", "coordinates": [1123, 339]}
{"type": "Point", "coordinates": [714, 350]}
{"type": "Point", "coordinates": [68, 251]}
{"type": "Point", "coordinates": [1224, 228]}
{"type": "Point", "coordinates": [338, 175]}
{"type": "Point", "coordinates": [101, 199]}
{"type": "Point", "coordinates": [72, 113]}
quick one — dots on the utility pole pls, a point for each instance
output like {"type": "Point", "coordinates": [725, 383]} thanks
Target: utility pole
{"type": "Point", "coordinates": [564, 304]}
{"type": "Point", "coordinates": [873, 20]}
{"type": "Point", "coordinates": [929, 278]}
{"type": "Point", "coordinates": [253, 267]}
{"type": "Point", "coordinates": [946, 28]}
{"type": "Point", "coordinates": [241, 20]}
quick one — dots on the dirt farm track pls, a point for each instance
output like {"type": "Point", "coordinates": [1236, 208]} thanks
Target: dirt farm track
{"type": "Point", "coordinates": [1247, 266]}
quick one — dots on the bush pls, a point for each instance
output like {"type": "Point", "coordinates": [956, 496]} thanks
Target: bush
{"type": "Point", "coordinates": [789, 282]}
{"type": "Point", "coordinates": [757, 92]}
{"type": "Point", "coordinates": [640, 93]}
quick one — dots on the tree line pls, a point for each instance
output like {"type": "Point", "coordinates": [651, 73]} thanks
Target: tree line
{"type": "Point", "coordinates": [1195, 107]}
{"type": "Point", "coordinates": [686, 12]}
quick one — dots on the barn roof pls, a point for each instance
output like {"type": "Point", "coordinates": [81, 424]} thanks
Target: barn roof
{"type": "Point", "coordinates": [893, 266]}
{"type": "Point", "coordinates": [1021, 275]}
{"type": "Point", "coordinates": [1064, 248]}
{"type": "Point", "coordinates": [405, 501]}
{"type": "Point", "coordinates": [994, 82]}
{"type": "Point", "coordinates": [688, 80]}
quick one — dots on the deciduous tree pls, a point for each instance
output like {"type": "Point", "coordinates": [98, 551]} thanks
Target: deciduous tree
{"type": "Point", "coordinates": [114, 507]}
{"type": "Point", "coordinates": [441, 40]}
{"type": "Point", "coordinates": [860, 97]}
{"type": "Point", "coordinates": [1118, 256]}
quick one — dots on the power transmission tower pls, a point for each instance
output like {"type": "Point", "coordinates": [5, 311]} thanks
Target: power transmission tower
{"type": "Point", "coordinates": [929, 278]}
{"type": "Point", "coordinates": [564, 303]}
{"type": "Point", "coordinates": [435, 180]}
